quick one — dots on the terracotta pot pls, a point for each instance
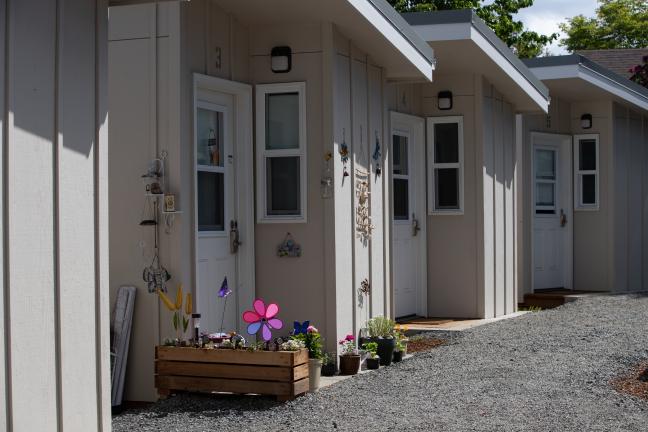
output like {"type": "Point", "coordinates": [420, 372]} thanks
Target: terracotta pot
{"type": "Point", "coordinates": [314, 371]}
{"type": "Point", "coordinates": [349, 364]}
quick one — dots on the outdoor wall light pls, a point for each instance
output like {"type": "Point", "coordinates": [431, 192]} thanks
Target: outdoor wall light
{"type": "Point", "coordinates": [281, 59]}
{"type": "Point", "coordinates": [586, 121]}
{"type": "Point", "coordinates": [445, 100]}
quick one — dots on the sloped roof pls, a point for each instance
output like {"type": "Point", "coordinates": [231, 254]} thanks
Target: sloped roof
{"type": "Point", "coordinates": [618, 61]}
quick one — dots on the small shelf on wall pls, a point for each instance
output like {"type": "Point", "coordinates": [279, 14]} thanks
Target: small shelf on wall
{"type": "Point", "coordinates": [172, 212]}
{"type": "Point", "coordinates": [148, 194]}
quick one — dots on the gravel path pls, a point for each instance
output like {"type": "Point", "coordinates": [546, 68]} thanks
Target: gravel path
{"type": "Point", "coordinates": [544, 371]}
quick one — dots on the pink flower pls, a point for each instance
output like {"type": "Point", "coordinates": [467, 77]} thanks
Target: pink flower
{"type": "Point", "coordinates": [349, 338]}
{"type": "Point", "coordinates": [312, 329]}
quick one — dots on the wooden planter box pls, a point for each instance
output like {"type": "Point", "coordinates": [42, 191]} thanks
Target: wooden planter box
{"type": "Point", "coordinates": [283, 374]}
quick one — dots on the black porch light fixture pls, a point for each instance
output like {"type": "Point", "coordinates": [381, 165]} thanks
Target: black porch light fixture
{"type": "Point", "coordinates": [586, 121]}
{"type": "Point", "coordinates": [281, 59]}
{"type": "Point", "coordinates": [445, 100]}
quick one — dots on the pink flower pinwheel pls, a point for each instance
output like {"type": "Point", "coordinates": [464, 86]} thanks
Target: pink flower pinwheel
{"type": "Point", "coordinates": [262, 318]}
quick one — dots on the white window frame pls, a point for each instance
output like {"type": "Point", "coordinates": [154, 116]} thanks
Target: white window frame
{"type": "Point", "coordinates": [431, 122]}
{"type": "Point", "coordinates": [262, 154]}
{"type": "Point", "coordinates": [578, 173]}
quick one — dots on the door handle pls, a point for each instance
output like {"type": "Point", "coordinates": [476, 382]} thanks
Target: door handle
{"type": "Point", "coordinates": [234, 237]}
{"type": "Point", "coordinates": [415, 226]}
{"type": "Point", "coordinates": [563, 218]}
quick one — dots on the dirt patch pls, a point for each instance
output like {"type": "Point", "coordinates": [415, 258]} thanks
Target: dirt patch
{"type": "Point", "coordinates": [420, 344]}
{"type": "Point", "coordinates": [634, 383]}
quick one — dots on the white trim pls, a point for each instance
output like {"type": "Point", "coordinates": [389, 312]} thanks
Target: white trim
{"type": "Point", "coordinates": [431, 122]}
{"type": "Point", "coordinates": [578, 198]}
{"type": "Point", "coordinates": [394, 36]}
{"type": "Point", "coordinates": [416, 126]}
{"type": "Point", "coordinates": [466, 31]}
{"type": "Point", "coordinates": [569, 253]}
{"type": "Point", "coordinates": [244, 196]}
{"type": "Point", "coordinates": [262, 154]}
{"type": "Point", "coordinates": [580, 71]}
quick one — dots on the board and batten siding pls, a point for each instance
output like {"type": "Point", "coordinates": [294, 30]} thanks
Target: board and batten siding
{"type": "Point", "coordinates": [54, 187]}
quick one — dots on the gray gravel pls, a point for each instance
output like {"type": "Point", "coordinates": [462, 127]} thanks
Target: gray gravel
{"type": "Point", "coordinates": [544, 371]}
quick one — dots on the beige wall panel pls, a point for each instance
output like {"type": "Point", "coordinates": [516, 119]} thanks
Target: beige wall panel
{"type": "Point", "coordinates": [32, 280]}
{"type": "Point", "coordinates": [76, 146]}
{"type": "Point", "coordinates": [301, 38]}
{"type": "Point", "coordinates": [452, 278]}
{"type": "Point", "coordinates": [508, 135]}
{"type": "Point", "coordinates": [499, 186]}
{"type": "Point", "coordinates": [590, 228]}
{"type": "Point", "coordinates": [3, 199]}
{"type": "Point", "coordinates": [635, 203]}
{"type": "Point", "coordinates": [378, 263]}
{"type": "Point", "coordinates": [489, 205]}
{"type": "Point", "coordinates": [297, 284]}
{"type": "Point", "coordinates": [137, 22]}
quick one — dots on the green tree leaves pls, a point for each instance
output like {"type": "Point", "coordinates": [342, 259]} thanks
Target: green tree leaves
{"type": "Point", "coordinates": [618, 24]}
{"type": "Point", "coordinates": [499, 17]}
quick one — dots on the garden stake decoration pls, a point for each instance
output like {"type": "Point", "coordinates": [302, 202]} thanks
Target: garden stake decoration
{"type": "Point", "coordinates": [224, 292]}
{"type": "Point", "coordinates": [300, 328]}
{"type": "Point", "coordinates": [363, 217]}
{"type": "Point", "coordinates": [262, 318]}
{"type": "Point", "coordinates": [174, 307]}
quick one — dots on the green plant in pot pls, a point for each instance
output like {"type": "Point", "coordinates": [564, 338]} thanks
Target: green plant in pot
{"type": "Point", "coordinates": [401, 342]}
{"type": "Point", "coordinates": [312, 340]}
{"type": "Point", "coordinates": [373, 361]}
{"type": "Point", "coordinates": [381, 331]}
{"type": "Point", "coordinates": [328, 364]}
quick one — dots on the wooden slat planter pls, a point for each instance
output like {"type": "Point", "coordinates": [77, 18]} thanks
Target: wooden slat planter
{"type": "Point", "coordinates": [283, 374]}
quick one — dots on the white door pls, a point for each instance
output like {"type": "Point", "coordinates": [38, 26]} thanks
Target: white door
{"type": "Point", "coordinates": [552, 211]}
{"type": "Point", "coordinates": [408, 215]}
{"type": "Point", "coordinates": [215, 207]}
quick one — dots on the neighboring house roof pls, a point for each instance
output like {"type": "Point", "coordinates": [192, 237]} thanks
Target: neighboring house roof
{"type": "Point", "coordinates": [460, 37]}
{"type": "Point", "coordinates": [577, 78]}
{"type": "Point", "coordinates": [619, 61]}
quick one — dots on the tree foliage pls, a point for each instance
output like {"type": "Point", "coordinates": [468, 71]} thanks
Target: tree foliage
{"type": "Point", "coordinates": [499, 17]}
{"type": "Point", "coordinates": [618, 24]}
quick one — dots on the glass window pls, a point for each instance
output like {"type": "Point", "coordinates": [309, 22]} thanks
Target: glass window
{"type": "Point", "coordinates": [545, 180]}
{"type": "Point", "coordinates": [401, 162]}
{"type": "Point", "coordinates": [401, 199]}
{"type": "Point", "coordinates": [211, 201]}
{"type": "Point", "coordinates": [210, 137]}
{"type": "Point", "coordinates": [545, 164]}
{"type": "Point", "coordinates": [282, 121]}
{"type": "Point", "coordinates": [281, 152]}
{"type": "Point", "coordinates": [445, 164]}
{"type": "Point", "coordinates": [446, 143]}
{"type": "Point", "coordinates": [586, 175]}
{"type": "Point", "coordinates": [283, 186]}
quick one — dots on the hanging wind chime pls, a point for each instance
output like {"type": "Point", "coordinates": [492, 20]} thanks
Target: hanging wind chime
{"type": "Point", "coordinates": [377, 156]}
{"type": "Point", "coordinates": [344, 156]}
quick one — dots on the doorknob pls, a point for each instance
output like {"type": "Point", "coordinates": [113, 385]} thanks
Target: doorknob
{"type": "Point", "coordinates": [415, 225]}
{"type": "Point", "coordinates": [234, 237]}
{"type": "Point", "coordinates": [563, 218]}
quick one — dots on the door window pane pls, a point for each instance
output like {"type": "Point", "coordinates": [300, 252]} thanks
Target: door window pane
{"type": "Point", "coordinates": [211, 201]}
{"type": "Point", "coordinates": [209, 129]}
{"type": "Point", "coordinates": [545, 194]}
{"type": "Point", "coordinates": [401, 160]}
{"type": "Point", "coordinates": [282, 183]}
{"type": "Point", "coordinates": [282, 121]}
{"type": "Point", "coordinates": [545, 164]}
{"type": "Point", "coordinates": [588, 185]}
{"type": "Point", "coordinates": [401, 199]}
{"type": "Point", "coordinates": [446, 143]}
{"type": "Point", "coordinates": [587, 156]}
{"type": "Point", "coordinates": [447, 188]}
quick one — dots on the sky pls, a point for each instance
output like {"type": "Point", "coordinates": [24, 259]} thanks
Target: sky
{"type": "Point", "coordinates": [545, 15]}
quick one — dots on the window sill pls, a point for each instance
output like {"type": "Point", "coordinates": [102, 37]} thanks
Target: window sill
{"type": "Point", "coordinates": [282, 220]}
{"type": "Point", "coordinates": [446, 213]}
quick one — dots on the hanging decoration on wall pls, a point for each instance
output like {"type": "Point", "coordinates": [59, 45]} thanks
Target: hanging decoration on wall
{"type": "Point", "coordinates": [288, 248]}
{"type": "Point", "coordinates": [363, 218]}
{"type": "Point", "coordinates": [262, 319]}
{"type": "Point", "coordinates": [155, 275]}
{"type": "Point", "coordinates": [344, 156]}
{"type": "Point", "coordinates": [326, 183]}
{"type": "Point", "coordinates": [377, 156]}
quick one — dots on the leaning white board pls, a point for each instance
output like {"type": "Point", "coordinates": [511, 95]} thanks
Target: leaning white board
{"type": "Point", "coordinates": [122, 322]}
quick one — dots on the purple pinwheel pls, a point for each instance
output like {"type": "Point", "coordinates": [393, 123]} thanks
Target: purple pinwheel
{"type": "Point", "coordinates": [224, 290]}
{"type": "Point", "coordinates": [262, 318]}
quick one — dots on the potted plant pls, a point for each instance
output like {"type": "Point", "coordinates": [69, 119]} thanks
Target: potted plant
{"type": "Point", "coordinates": [400, 349]}
{"type": "Point", "coordinates": [373, 361]}
{"type": "Point", "coordinates": [328, 365]}
{"type": "Point", "coordinates": [381, 331]}
{"type": "Point", "coordinates": [312, 340]}
{"type": "Point", "coordinates": [349, 357]}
